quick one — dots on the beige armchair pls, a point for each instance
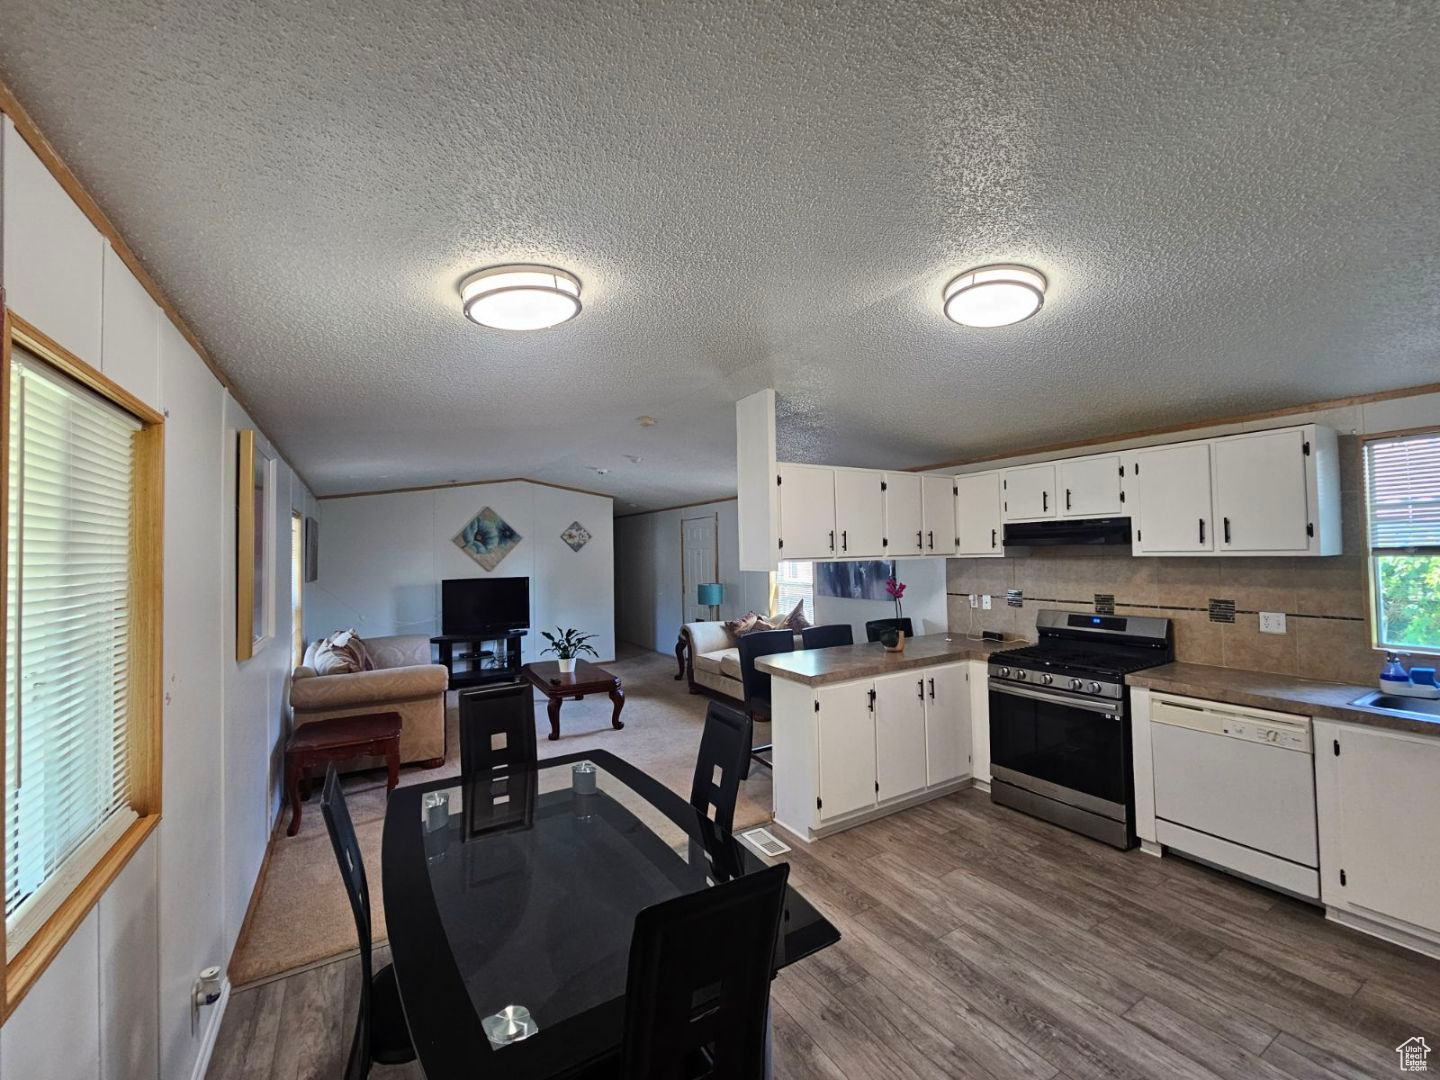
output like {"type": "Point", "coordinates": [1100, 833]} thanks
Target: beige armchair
{"type": "Point", "coordinates": [404, 681]}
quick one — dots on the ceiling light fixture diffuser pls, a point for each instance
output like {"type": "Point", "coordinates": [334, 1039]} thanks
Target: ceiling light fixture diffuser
{"type": "Point", "coordinates": [995, 295]}
{"type": "Point", "coordinates": [521, 296]}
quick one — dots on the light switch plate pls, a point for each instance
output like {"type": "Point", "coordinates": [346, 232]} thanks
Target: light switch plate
{"type": "Point", "coordinates": [1272, 622]}
{"type": "Point", "coordinates": [985, 601]}
{"type": "Point", "coordinates": [974, 600]}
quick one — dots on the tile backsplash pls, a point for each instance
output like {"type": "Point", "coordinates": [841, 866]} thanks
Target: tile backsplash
{"type": "Point", "coordinates": [1325, 600]}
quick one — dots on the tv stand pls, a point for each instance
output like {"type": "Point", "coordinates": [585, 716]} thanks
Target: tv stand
{"type": "Point", "coordinates": [473, 651]}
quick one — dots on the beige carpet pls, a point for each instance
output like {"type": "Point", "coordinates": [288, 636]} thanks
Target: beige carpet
{"type": "Point", "coordinates": [303, 914]}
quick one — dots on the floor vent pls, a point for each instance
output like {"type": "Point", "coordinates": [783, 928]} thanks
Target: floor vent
{"type": "Point", "coordinates": [764, 841]}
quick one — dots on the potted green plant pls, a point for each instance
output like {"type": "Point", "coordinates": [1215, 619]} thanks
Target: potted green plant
{"type": "Point", "coordinates": [567, 645]}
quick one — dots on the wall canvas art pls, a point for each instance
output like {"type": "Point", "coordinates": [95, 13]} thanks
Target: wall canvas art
{"type": "Point", "coordinates": [577, 536]}
{"type": "Point", "coordinates": [853, 580]}
{"type": "Point", "coordinates": [487, 538]}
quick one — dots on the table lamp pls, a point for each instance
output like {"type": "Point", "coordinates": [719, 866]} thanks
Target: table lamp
{"type": "Point", "coordinates": [712, 594]}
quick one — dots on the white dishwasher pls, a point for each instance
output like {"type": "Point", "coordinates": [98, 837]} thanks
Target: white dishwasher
{"type": "Point", "coordinates": [1235, 787]}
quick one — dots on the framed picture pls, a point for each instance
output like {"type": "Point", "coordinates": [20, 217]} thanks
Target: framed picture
{"type": "Point", "coordinates": [254, 549]}
{"type": "Point", "coordinates": [853, 580]}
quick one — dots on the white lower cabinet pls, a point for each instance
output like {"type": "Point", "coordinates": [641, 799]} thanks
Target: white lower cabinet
{"type": "Point", "coordinates": [846, 739]}
{"type": "Point", "coordinates": [1378, 801]}
{"type": "Point", "coordinates": [900, 734]}
{"type": "Point", "coordinates": [947, 723]}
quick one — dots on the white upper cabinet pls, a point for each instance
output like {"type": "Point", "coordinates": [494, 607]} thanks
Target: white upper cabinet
{"type": "Point", "coordinates": [130, 332]}
{"type": "Point", "coordinates": [1028, 494]}
{"type": "Point", "coordinates": [807, 512]}
{"type": "Point", "coordinates": [1264, 491]}
{"type": "Point", "coordinates": [904, 515]}
{"type": "Point", "coordinates": [1091, 487]}
{"type": "Point", "coordinates": [978, 527]}
{"type": "Point", "coordinates": [859, 513]}
{"type": "Point", "coordinates": [938, 496]}
{"type": "Point", "coordinates": [53, 256]}
{"type": "Point", "coordinates": [1174, 489]}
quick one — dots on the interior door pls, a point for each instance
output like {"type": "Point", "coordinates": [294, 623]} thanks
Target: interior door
{"type": "Point", "coordinates": [1174, 499]}
{"type": "Point", "coordinates": [1260, 491]}
{"type": "Point", "coordinates": [807, 512]}
{"type": "Point", "coordinates": [977, 515]}
{"type": "Point", "coordinates": [699, 562]}
{"type": "Point", "coordinates": [899, 734]}
{"type": "Point", "coordinates": [847, 749]}
{"type": "Point", "coordinates": [859, 513]}
{"type": "Point", "coordinates": [904, 515]}
{"type": "Point", "coordinates": [1029, 493]}
{"type": "Point", "coordinates": [947, 723]}
{"type": "Point", "coordinates": [937, 494]}
{"type": "Point", "coordinates": [1090, 487]}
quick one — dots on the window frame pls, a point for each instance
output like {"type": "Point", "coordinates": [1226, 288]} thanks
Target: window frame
{"type": "Point", "coordinates": [1372, 556]}
{"type": "Point", "coordinates": [144, 649]}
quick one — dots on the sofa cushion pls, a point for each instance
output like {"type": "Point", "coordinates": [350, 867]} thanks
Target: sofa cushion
{"type": "Point", "coordinates": [342, 653]}
{"type": "Point", "coordinates": [714, 662]}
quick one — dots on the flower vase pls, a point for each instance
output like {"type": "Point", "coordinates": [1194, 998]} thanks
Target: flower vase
{"type": "Point", "coordinates": [899, 645]}
{"type": "Point", "coordinates": [567, 665]}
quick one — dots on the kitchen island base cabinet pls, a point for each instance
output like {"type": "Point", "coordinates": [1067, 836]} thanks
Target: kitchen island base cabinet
{"type": "Point", "coordinates": [850, 752]}
{"type": "Point", "coordinates": [1378, 800]}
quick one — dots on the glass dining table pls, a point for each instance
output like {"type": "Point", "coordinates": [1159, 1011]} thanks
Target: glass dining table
{"type": "Point", "coordinates": [510, 905]}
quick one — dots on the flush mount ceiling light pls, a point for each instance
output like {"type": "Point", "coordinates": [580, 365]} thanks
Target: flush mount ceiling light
{"type": "Point", "coordinates": [994, 295]}
{"type": "Point", "coordinates": [520, 296]}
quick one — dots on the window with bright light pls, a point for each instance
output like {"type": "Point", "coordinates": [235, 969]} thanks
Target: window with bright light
{"type": "Point", "coordinates": [1402, 478]}
{"type": "Point", "coordinates": [795, 583]}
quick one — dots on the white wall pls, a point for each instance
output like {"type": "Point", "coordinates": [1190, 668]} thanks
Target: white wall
{"type": "Point", "coordinates": [649, 607]}
{"type": "Point", "coordinates": [115, 1002]}
{"type": "Point", "coordinates": [924, 601]}
{"type": "Point", "coordinates": [382, 558]}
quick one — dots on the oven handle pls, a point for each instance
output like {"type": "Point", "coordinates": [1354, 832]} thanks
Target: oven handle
{"type": "Point", "coordinates": [1097, 705]}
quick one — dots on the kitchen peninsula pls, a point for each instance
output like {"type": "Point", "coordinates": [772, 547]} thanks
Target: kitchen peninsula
{"type": "Point", "coordinates": [859, 732]}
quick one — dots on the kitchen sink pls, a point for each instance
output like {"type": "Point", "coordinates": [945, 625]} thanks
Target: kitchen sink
{"type": "Point", "coordinates": [1415, 708]}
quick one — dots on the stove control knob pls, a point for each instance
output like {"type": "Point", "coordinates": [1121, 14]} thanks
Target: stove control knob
{"type": "Point", "coordinates": [1094, 688]}
{"type": "Point", "coordinates": [1076, 684]}
{"type": "Point", "coordinates": [1022, 676]}
{"type": "Point", "coordinates": [1046, 679]}
{"type": "Point", "coordinates": [1004, 672]}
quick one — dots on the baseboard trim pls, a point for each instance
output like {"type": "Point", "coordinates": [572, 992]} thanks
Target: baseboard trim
{"type": "Point", "coordinates": [1417, 939]}
{"type": "Point", "coordinates": [874, 813]}
{"type": "Point", "coordinates": [255, 891]}
{"type": "Point", "coordinates": [212, 1033]}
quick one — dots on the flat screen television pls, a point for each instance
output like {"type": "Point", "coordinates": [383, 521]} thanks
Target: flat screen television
{"type": "Point", "coordinates": [484, 605]}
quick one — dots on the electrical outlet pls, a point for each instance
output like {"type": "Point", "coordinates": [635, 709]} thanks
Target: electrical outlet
{"type": "Point", "coordinates": [974, 600]}
{"type": "Point", "coordinates": [1272, 622]}
{"type": "Point", "coordinates": [985, 601]}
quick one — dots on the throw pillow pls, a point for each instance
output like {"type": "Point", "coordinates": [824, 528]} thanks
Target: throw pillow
{"type": "Point", "coordinates": [796, 620]}
{"type": "Point", "coordinates": [342, 653]}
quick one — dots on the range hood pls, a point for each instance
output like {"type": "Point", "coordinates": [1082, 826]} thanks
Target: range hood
{"type": "Point", "coordinates": [1073, 531]}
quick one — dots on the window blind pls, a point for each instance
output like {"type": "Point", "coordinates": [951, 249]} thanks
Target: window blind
{"type": "Point", "coordinates": [795, 582]}
{"type": "Point", "coordinates": [1403, 481]}
{"type": "Point", "coordinates": [67, 626]}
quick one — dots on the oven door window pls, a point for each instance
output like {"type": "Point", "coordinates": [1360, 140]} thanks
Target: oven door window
{"type": "Point", "coordinates": [1072, 747]}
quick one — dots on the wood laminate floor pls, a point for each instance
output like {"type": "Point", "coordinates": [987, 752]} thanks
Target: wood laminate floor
{"type": "Point", "coordinates": [978, 942]}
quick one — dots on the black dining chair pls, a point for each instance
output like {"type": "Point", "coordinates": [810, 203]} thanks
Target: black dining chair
{"type": "Point", "coordinates": [827, 636]}
{"type": "Point", "coordinates": [875, 627]}
{"type": "Point", "coordinates": [503, 713]}
{"type": "Point", "coordinates": [697, 994]}
{"type": "Point", "coordinates": [721, 765]}
{"type": "Point", "coordinates": [380, 1031]}
{"type": "Point", "coordinates": [756, 684]}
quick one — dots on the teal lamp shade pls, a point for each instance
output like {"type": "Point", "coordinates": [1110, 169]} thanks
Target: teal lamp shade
{"type": "Point", "coordinates": [712, 594]}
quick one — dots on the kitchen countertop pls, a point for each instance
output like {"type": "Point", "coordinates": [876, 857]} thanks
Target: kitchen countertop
{"type": "Point", "coordinates": [840, 663]}
{"type": "Point", "coordinates": [1282, 693]}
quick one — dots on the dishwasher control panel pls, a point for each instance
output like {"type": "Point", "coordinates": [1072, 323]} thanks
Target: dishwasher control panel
{"type": "Point", "coordinates": [1284, 735]}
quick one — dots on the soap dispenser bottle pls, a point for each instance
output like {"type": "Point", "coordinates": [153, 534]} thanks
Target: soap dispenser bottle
{"type": "Point", "coordinates": [1394, 679]}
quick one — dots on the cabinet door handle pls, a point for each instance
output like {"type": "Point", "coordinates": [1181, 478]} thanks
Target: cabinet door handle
{"type": "Point", "coordinates": [1044, 501]}
{"type": "Point", "coordinates": [872, 700]}
{"type": "Point", "coordinates": [1202, 530]}
{"type": "Point", "coordinates": [1067, 498]}
{"type": "Point", "coordinates": [844, 539]}
{"type": "Point", "coordinates": [832, 539]}
{"type": "Point", "coordinates": [1227, 530]}
{"type": "Point", "coordinates": [919, 539]}
{"type": "Point", "coordinates": [932, 689]}
{"type": "Point", "coordinates": [992, 538]}
{"type": "Point", "coordinates": [921, 684]}
{"type": "Point", "coordinates": [931, 543]}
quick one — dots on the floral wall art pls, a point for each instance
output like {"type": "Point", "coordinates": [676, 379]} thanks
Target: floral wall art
{"type": "Point", "coordinates": [487, 538]}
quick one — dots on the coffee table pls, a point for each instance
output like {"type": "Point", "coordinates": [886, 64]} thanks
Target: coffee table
{"type": "Point", "coordinates": [587, 678]}
{"type": "Point", "coordinates": [339, 739]}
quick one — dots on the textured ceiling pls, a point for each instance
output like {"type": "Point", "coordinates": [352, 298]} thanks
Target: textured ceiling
{"type": "Point", "coordinates": [1236, 206]}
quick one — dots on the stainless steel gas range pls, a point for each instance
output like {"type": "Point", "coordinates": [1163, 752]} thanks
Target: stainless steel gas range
{"type": "Point", "coordinates": [1060, 720]}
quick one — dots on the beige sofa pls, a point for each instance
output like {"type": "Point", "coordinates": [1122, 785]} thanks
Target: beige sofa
{"type": "Point", "coordinates": [709, 660]}
{"type": "Point", "coordinates": [403, 681]}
